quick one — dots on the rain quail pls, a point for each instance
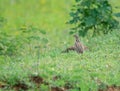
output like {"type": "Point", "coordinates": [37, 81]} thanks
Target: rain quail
{"type": "Point", "coordinates": [78, 45]}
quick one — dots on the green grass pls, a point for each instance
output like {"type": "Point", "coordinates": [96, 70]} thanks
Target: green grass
{"type": "Point", "coordinates": [101, 61]}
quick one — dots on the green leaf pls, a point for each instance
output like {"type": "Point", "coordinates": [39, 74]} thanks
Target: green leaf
{"type": "Point", "coordinates": [72, 14]}
{"type": "Point", "coordinates": [77, 0]}
{"type": "Point", "coordinates": [45, 40]}
{"type": "Point", "coordinates": [43, 31]}
{"type": "Point", "coordinates": [117, 14]}
{"type": "Point", "coordinates": [34, 37]}
{"type": "Point", "coordinates": [90, 21]}
{"type": "Point", "coordinates": [71, 32]}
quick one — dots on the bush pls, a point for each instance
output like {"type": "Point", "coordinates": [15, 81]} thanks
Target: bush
{"type": "Point", "coordinates": [96, 15]}
{"type": "Point", "coordinates": [13, 45]}
{"type": "Point", "coordinates": [3, 21]}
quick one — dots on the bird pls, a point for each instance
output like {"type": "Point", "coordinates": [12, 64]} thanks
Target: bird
{"type": "Point", "coordinates": [78, 45]}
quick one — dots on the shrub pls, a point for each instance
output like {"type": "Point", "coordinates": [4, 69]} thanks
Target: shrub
{"type": "Point", "coordinates": [96, 15]}
{"type": "Point", "coordinates": [13, 45]}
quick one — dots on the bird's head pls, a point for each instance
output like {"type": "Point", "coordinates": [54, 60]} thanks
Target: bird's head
{"type": "Point", "coordinates": [76, 36]}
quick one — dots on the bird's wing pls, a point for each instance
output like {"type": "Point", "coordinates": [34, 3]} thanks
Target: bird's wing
{"type": "Point", "coordinates": [79, 47]}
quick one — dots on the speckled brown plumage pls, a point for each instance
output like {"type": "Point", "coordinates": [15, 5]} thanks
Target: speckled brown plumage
{"type": "Point", "coordinates": [78, 46]}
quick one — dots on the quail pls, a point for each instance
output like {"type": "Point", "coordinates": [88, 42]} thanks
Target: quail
{"type": "Point", "coordinates": [78, 45]}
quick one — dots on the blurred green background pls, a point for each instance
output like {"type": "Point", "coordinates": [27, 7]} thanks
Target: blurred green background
{"type": "Point", "coordinates": [49, 16]}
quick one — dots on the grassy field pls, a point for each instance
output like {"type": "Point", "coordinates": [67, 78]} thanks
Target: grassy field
{"type": "Point", "coordinates": [46, 68]}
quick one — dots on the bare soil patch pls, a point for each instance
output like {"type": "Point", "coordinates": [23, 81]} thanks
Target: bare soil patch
{"type": "Point", "coordinates": [38, 80]}
{"type": "Point", "coordinates": [110, 88]}
{"type": "Point", "coordinates": [20, 86]}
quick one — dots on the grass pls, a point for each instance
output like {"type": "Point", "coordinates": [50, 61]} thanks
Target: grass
{"type": "Point", "coordinates": [101, 61]}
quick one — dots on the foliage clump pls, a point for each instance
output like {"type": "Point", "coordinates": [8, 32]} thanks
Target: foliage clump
{"type": "Point", "coordinates": [3, 21]}
{"type": "Point", "coordinates": [12, 45]}
{"type": "Point", "coordinates": [96, 15]}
